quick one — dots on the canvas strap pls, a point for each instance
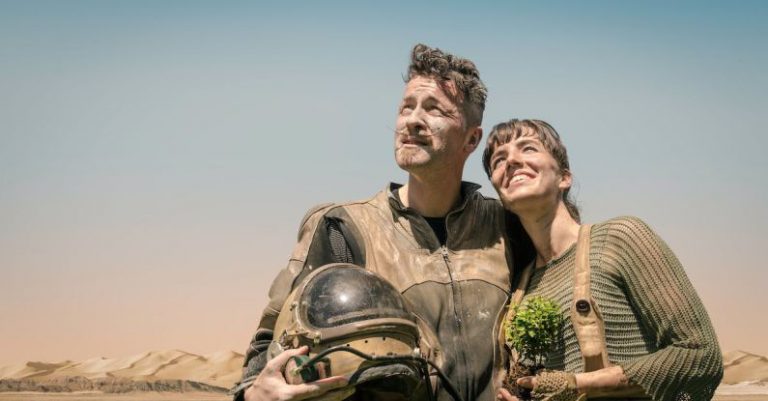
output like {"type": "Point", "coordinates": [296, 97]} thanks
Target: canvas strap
{"type": "Point", "coordinates": [519, 293]}
{"type": "Point", "coordinates": [516, 299]}
{"type": "Point", "coordinates": [586, 318]}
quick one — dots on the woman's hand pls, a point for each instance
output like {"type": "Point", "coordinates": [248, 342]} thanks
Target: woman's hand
{"type": "Point", "coordinates": [505, 395]}
{"type": "Point", "coordinates": [610, 381]}
{"type": "Point", "coordinates": [531, 383]}
{"type": "Point", "coordinates": [271, 385]}
{"type": "Point", "coordinates": [528, 382]}
{"type": "Point", "coordinates": [551, 385]}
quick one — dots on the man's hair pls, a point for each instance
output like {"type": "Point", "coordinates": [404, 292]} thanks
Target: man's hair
{"type": "Point", "coordinates": [443, 67]}
{"type": "Point", "coordinates": [508, 131]}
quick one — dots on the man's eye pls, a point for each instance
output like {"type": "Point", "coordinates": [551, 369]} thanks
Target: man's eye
{"type": "Point", "coordinates": [530, 148]}
{"type": "Point", "coordinates": [435, 111]}
{"type": "Point", "coordinates": [406, 110]}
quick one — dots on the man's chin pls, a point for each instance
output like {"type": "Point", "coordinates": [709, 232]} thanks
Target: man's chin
{"type": "Point", "coordinates": [411, 162]}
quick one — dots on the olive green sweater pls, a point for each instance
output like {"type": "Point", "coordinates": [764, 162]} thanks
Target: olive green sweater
{"type": "Point", "coordinates": [656, 327]}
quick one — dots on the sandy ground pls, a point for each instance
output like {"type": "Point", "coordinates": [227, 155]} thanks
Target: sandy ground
{"type": "Point", "coordinates": [215, 397]}
{"type": "Point", "coordinates": [95, 396]}
{"type": "Point", "coordinates": [142, 396]}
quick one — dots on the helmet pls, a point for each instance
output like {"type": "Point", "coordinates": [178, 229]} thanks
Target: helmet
{"type": "Point", "coordinates": [356, 324]}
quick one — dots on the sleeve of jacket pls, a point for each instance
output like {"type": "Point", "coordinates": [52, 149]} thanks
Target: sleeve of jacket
{"type": "Point", "coordinates": [313, 249]}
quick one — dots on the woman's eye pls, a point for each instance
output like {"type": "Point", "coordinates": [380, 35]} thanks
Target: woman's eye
{"type": "Point", "coordinates": [496, 163]}
{"type": "Point", "coordinates": [529, 148]}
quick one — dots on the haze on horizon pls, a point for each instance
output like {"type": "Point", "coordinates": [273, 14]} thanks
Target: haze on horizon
{"type": "Point", "coordinates": [157, 158]}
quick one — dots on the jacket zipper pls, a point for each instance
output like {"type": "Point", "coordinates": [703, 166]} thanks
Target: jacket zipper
{"type": "Point", "coordinates": [461, 357]}
{"type": "Point", "coordinates": [456, 315]}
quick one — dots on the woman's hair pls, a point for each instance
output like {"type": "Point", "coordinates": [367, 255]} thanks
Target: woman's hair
{"type": "Point", "coordinates": [507, 131]}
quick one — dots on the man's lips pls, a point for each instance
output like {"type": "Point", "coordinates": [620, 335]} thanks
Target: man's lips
{"type": "Point", "coordinates": [412, 141]}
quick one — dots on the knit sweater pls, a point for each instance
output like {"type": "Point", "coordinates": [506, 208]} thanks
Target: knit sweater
{"type": "Point", "coordinates": [656, 327]}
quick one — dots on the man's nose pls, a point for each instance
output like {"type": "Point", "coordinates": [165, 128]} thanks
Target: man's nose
{"type": "Point", "coordinates": [414, 122]}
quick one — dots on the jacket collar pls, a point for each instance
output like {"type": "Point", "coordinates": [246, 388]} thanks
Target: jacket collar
{"type": "Point", "coordinates": [468, 190]}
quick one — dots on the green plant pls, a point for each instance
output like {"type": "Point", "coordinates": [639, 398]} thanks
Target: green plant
{"type": "Point", "coordinates": [534, 329]}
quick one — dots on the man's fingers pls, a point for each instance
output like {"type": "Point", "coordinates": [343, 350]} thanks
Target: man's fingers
{"type": "Point", "coordinates": [282, 358]}
{"type": "Point", "coordinates": [340, 380]}
{"type": "Point", "coordinates": [308, 390]}
{"type": "Point", "coordinates": [336, 395]}
{"type": "Point", "coordinates": [528, 382]}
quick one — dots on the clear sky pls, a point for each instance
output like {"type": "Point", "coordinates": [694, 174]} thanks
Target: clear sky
{"type": "Point", "coordinates": [156, 158]}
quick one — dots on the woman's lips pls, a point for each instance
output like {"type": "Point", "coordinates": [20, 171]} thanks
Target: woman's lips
{"type": "Point", "coordinates": [520, 176]}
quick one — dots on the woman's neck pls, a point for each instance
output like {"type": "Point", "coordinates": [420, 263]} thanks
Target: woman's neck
{"type": "Point", "coordinates": [552, 231]}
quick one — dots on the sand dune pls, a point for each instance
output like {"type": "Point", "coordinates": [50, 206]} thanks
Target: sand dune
{"type": "Point", "coordinates": [175, 369]}
{"type": "Point", "coordinates": [220, 369]}
{"type": "Point", "coordinates": [30, 369]}
{"type": "Point", "coordinates": [743, 367]}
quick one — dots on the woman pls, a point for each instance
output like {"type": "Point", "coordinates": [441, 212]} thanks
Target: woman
{"type": "Point", "coordinates": [659, 341]}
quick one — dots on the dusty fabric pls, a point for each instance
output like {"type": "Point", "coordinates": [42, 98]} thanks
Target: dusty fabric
{"type": "Point", "coordinates": [459, 290]}
{"type": "Point", "coordinates": [656, 327]}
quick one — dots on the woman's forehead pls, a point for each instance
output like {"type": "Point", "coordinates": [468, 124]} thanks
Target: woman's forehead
{"type": "Point", "coordinates": [512, 135]}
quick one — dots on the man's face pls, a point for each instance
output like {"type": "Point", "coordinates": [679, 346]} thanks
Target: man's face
{"type": "Point", "coordinates": [430, 131]}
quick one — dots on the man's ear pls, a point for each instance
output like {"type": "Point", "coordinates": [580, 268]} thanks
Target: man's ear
{"type": "Point", "coordinates": [473, 139]}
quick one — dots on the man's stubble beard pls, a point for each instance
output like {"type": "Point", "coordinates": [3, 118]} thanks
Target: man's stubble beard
{"type": "Point", "coordinates": [409, 160]}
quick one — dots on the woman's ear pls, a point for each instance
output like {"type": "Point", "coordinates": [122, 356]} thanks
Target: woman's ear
{"type": "Point", "coordinates": [566, 180]}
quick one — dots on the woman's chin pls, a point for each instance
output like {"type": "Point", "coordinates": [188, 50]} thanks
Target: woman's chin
{"type": "Point", "coordinates": [513, 205]}
{"type": "Point", "coordinates": [516, 198]}
{"type": "Point", "coordinates": [523, 204]}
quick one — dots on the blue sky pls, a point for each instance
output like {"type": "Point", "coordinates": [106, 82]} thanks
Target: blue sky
{"type": "Point", "coordinates": [157, 157]}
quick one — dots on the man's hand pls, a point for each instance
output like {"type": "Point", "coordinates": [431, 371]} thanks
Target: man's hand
{"type": "Point", "coordinates": [270, 384]}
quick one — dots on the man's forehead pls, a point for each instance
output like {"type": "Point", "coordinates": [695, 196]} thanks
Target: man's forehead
{"type": "Point", "coordinates": [420, 84]}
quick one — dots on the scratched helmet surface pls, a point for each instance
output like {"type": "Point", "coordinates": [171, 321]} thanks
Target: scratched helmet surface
{"type": "Point", "coordinates": [347, 294]}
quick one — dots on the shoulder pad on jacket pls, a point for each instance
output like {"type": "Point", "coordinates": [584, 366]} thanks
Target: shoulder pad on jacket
{"type": "Point", "coordinates": [311, 212]}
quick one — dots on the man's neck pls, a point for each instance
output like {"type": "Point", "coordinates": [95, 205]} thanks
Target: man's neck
{"type": "Point", "coordinates": [431, 198]}
{"type": "Point", "coordinates": [552, 232]}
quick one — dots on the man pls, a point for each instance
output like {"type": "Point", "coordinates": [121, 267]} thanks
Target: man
{"type": "Point", "coordinates": [436, 239]}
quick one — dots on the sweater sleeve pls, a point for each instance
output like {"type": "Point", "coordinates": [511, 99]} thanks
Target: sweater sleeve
{"type": "Point", "coordinates": [688, 362]}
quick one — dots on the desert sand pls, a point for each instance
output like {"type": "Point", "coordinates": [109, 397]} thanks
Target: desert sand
{"type": "Point", "coordinates": [149, 396]}
{"type": "Point", "coordinates": [742, 367]}
{"type": "Point", "coordinates": [137, 396]}
{"type": "Point", "coordinates": [183, 374]}
{"type": "Point", "coordinates": [220, 369]}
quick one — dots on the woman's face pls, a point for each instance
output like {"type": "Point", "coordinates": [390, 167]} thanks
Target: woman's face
{"type": "Point", "coordinates": [526, 176]}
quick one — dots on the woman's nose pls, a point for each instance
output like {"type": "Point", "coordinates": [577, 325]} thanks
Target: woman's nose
{"type": "Point", "coordinates": [513, 160]}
